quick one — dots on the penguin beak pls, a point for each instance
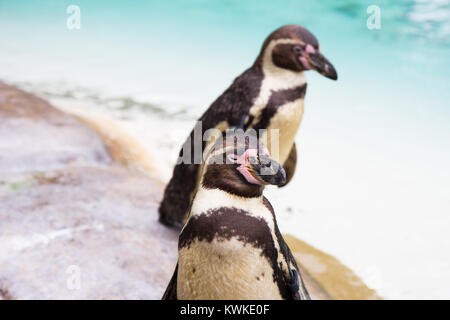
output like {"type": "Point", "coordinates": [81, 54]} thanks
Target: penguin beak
{"type": "Point", "coordinates": [269, 172]}
{"type": "Point", "coordinates": [318, 62]}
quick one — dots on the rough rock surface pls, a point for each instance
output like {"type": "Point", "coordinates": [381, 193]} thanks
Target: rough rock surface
{"type": "Point", "coordinates": [73, 224]}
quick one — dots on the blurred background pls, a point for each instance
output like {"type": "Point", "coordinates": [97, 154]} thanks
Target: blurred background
{"type": "Point", "coordinates": [373, 183]}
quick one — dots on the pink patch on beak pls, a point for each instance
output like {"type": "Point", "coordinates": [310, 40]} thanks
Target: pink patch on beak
{"type": "Point", "coordinates": [304, 58]}
{"type": "Point", "coordinates": [310, 49]}
{"type": "Point", "coordinates": [243, 168]}
{"type": "Point", "coordinates": [305, 63]}
{"type": "Point", "coordinates": [248, 176]}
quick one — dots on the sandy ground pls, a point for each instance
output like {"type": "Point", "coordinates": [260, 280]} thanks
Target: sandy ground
{"type": "Point", "coordinates": [78, 205]}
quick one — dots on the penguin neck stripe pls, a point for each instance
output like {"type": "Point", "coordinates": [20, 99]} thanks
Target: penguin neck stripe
{"type": "Point", "coordinates": [207, 199]}
{"type": "Point", "coordinates": [225, 223]}
{"type": "Point", "coordinates": [277, 99]}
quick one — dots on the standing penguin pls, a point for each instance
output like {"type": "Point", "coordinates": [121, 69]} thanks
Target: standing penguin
{"type": "Point", "coordinates": [230, 246]}
{"type": "Point", "coordinates": [269, 95]}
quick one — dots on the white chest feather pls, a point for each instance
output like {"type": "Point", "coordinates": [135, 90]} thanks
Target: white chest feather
{"type": "Point", "coordinates": [283, 127]}
{"type": "Point", "coordinates": [215, 198]}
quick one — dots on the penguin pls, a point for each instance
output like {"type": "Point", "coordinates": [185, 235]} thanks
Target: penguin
{"type": "Point", "coordinates": [230, 246]}
{"type": "Point", "coordinates": [269, 95]}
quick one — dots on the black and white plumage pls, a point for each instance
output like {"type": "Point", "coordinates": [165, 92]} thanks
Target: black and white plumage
{"type": "Point", "coordinates": [230, 246]}
{"type": "Point", "coordinates": [269, 95]}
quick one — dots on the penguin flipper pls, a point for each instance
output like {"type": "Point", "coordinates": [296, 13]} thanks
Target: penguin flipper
{"type": "Point", "coordinates": [171, 290]}
{"type": "Point", "coordinates": [297, 286]}
{"type": "Point", "coordinates": [175, 205]}
{"type": "Point", "coordinates": [290, 165]}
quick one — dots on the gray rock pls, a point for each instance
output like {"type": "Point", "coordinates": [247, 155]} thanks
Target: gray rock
{"type": "Point", "coordinates": [73, 224]}
{"type": "Point", "coordinates": [35, 136]}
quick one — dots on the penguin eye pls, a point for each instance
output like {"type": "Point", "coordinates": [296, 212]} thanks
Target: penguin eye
{"type": "Point", "coordinates": [258, 159]}
{"type": "Point", "coordinates": [254, 160]}
{"type": "Point", "coordinates": [297, 49]}
{"type": "Point", "coordinates": [264, 160]}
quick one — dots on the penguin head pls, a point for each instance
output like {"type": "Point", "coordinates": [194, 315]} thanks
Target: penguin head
{"type": "Point", "coordinates": [294, 48]}
{"type": "Point", "coordinates": [240, 164]}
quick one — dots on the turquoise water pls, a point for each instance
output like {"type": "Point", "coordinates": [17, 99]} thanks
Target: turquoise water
{"type": "Point", "coordinates": [374, 182]}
